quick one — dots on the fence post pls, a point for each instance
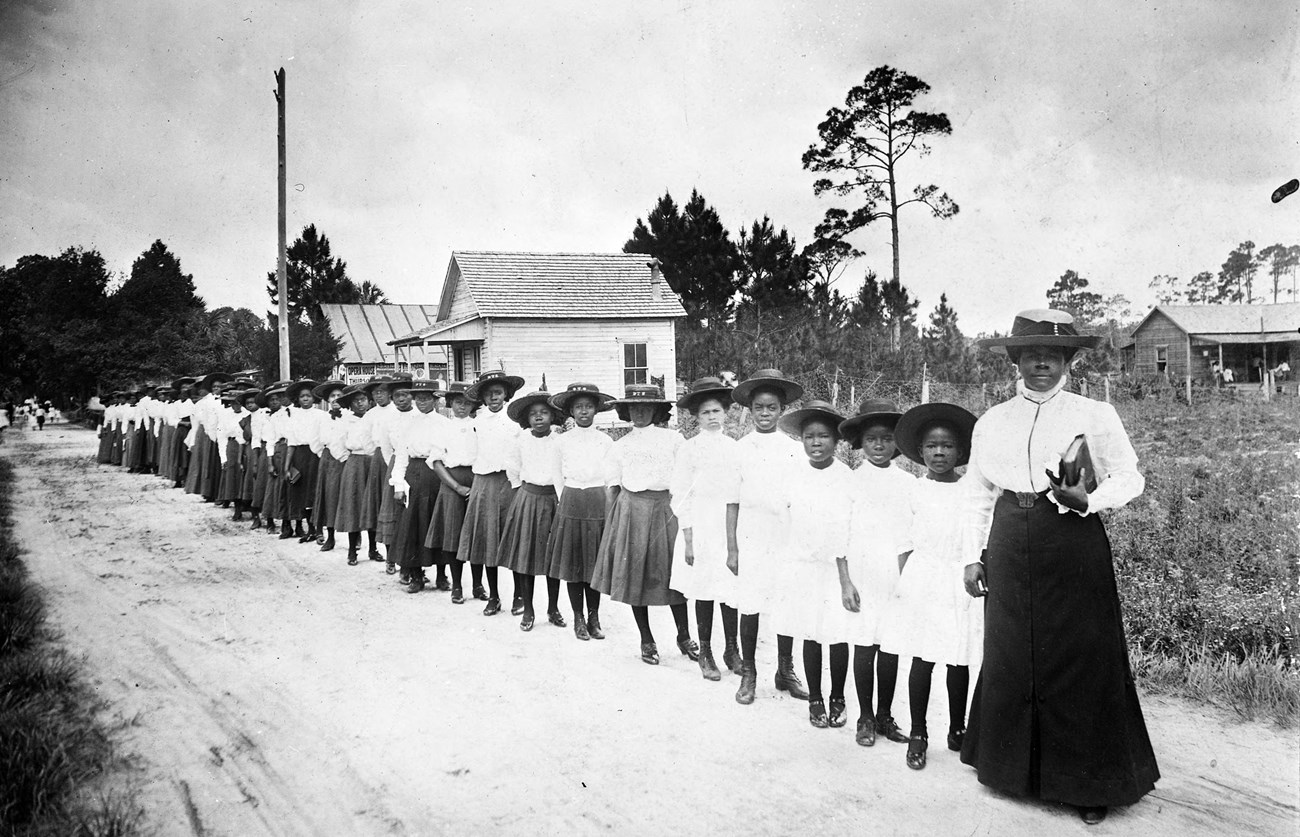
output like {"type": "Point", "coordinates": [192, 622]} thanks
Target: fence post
{"type": "Point", "coordinates": [925, 387]}
{"type": "Point", "coordinates": [1107, 379]}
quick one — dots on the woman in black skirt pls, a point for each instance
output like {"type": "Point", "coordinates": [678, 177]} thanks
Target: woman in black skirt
{"type": "Point", "coordinates": [1055, 713]}
{"type": "Point", "coordinates": [455, 477]}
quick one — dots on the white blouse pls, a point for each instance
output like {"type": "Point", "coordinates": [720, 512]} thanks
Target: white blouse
{"type": "Point", "coordinates": [354, 437]}
{"type": "Point", "coordinates": [707, 470]}
{"type": "Point", "coordinates": [494, 435]}
{"type": "Point", "coordinates": [420, 437]}
{"type": "Point", "coordinates": [643, 459]}
{"type": "Point", "coordinates": [459, 445]}
{"type": "Point", "coordinates": [764, 460]}
{"type": "Point", "coordinates": [821, 512]}
{"type": "Point", "coordinates": [1016, 442]}
{"type": "Point", "coordinates": [304, 426]}
{"type": "Point", "coordinates": [536, 460]}
{"type": "Point", "coordinates": [583, 451]}
{"type": "Point", "coordinates": [376, 419]}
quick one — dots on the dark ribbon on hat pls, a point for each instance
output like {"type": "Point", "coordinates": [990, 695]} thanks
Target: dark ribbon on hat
{"type": "Point", "coordinates": [1022, 327]}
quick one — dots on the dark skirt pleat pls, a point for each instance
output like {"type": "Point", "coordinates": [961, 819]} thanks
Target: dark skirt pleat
{"type": "Point", "coordinates": [390, 511]}
{"type": "Point", "coordinates": [449, 512]}
{"type": "Point", "coordinates": [350, 512]}
{"type": "Point", "coordinates": [232, 473]}
{"type": "Point", "coordinates": [105, 452]}
{"type": "Point", "coordinates": [526, 535]}
{"type": "Point", "coordinates": [1055, 711]}
{"type": "Point", "coordinates": [180, 453]}
{"type": "Point", "coordinates": [131, 447]}
{"type": "Point", "coordinates": [194, 475]}
{"type": "Point", "coordinates": [376, 485]}
{"type": "Point", "coordinates": [299, 492]}
{"type": "Point", "coordinates": [327, 490]}
{"type": "Point", "coordinates": [165, 436]}
{"type": "Point", "coordinates": [575, 540]}
{"type": "Point", "coordinates": [485, 515]}
{"type": "Point", "coordinates": [273, 503]}
{"type": "Point", "coordinates": [408, 541]}
{"type": "Point", "coordinates": [253, 465]}
{"type": "Point", "coordinates": [212, 471]}
{"type": "Point", "coordinates": [635, 562]}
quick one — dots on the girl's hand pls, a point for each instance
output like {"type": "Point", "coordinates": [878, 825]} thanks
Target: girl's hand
{"type": "Point", "coordinates": [973, 579]}
{"type": "Point", "coordinates": [463, 490]}
{"type": "Point", "coordinates": [399, 496]}
{"type": "Point", "coordinates": [690, 555]}
{"type": "Point", "coordinates": [733, 560]}
{"type": "Point", "coordinates": [849, 596]}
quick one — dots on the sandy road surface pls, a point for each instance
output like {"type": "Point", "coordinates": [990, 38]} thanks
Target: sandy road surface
{"type": "Point", "coordinates": [268, 688]}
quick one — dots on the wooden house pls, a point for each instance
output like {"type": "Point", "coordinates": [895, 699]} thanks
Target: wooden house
{"type": "Point", "coordinates": [367, 330]}
{"type": "Point", "coordinates": [606, 318]}
{"type": "Point", "coordinates": [1185, 342]}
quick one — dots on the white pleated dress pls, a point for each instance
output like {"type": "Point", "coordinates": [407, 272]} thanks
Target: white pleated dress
{"type": "Point", "coordinates": [881, 508]}
{"type": "Point", "coordinates": [762, 527]}
{"type": "Point", "coordinates": [821, 516]}
{"type": "Point", "coordinates": [706, 478]}
{"type": "Point", "coordinates": [930, 615]}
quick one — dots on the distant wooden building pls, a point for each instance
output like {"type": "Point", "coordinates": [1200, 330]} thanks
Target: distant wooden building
{"type": "Point", "coordinates": [607, 318]}
{"type": "Point", "coordinates": [1182, 341]}
{"type": "Point", "coordinates": [366, 331]}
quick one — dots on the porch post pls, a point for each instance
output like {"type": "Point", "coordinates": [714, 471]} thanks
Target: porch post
{"type": "Point", "coordinates": [1189, 369]}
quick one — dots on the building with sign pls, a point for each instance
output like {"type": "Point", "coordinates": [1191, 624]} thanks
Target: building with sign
{"type": "Point", "coordinates": [366, 332]}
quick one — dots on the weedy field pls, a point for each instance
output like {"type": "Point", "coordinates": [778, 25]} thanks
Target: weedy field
{"type": "Point", "coordinates": [51, 744]}
{"type": "Point", "coordinates": [1208, 558]}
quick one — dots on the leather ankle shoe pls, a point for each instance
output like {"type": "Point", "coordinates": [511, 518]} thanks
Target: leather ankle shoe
{"type": "Point", "coordinates": [787, 680]}
{"type": "Point", "coordinates": [708, 668]}
{"type": "Point", "coordinates": [817, 713]}
{"type": "Point", "coordinates": [526, 624]}
{"type": "Point", "coordinates": [479, 593]}
{"type": "Point", "coordinates": [866, 733]}
{"type": "Point", "coordinates": [838, 714]}
{"type": "Point", "coordinates": [687, 646]}
{"type": "Point", "coordinates": [557, 619]}
{"type": "Point", "coordinates": [649, 653]}
{"type": "Point", "coordinates": [955, 740]}
{"type": "Point", "coordinates": [916, 747]}
{"type": "Point", "coordinates": [493, 607]}
{"type": "Point", "coordinates": [889, 728]}
{"type": "Point", "coordinates": [580, 629]}
{"type": "Point", "coordinates": [593, 627]}
{"type": "Point", "coordinates": [457, 596]}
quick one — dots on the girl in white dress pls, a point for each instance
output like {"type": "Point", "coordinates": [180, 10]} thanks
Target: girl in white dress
{"type": "Point", "coordinates": [930, 616]}
{"type": "Point", "coordinates": [706, 479]}
{"type": "Point", "coordinates": [819, 601]}
{"type": "Point", "coordinates": [880, 492]}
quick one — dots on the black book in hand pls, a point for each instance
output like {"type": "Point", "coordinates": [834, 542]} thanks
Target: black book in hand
{"type": "Point", "coordinates": [1076, 461]}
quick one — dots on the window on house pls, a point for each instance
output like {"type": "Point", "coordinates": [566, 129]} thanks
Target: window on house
{"type": "Point", "coordinates": [1162, 359]}
{"type": "Point", "coordinates": [635, 368]}
{"type": "Point", "coordinates": [468, 362]}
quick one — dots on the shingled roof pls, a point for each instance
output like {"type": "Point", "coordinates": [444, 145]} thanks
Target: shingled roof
{"type": "Point", "coordinates": [559, 285]}
{"type": "Point", "coordinates": [1224, 320]}
{"type": "Point", "coordinates": [366, 330]}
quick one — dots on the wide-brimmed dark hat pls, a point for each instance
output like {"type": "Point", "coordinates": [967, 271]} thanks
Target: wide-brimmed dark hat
{"type": "Point", "coordinates": [641, 394]}
{"type": "Point", "coordinates": [182, 382]}
{"type": "Point", "coordinates": [704, 389]}
{"type": "Point", "coordinates": [455, 389]}
{"type": "Point", "coordinates": [231, 396]}
{"type": "Point", "coordinates": [517, 410]}
{"type": "Point", "coordinates": [512, 383]}
{"type": "Point", "coordinates": [208, 380]}
{"type": "Point", "coordinates": [1042, 327]}
{"type": "Point", "coordinates": [413, 386]}
{"type": "Point", "coordinates": [371, 385]}
{"type": "Point", "coordinates": [243, 383]}
{"type": "Point", "coordinates": [870, 411]}
{"type": "Point", "coordinates": [743, 392]}
{"type": "Point", "coordinates": [253, 392]}
{"type": "Point", "coordinates": [561, 400]}
{"type": "Point", "coordinates": [907, 433]}
{"type": "Point", "coordinates": [793, 421]}
{"type": "Point", "coordinates": [295, 387]}
{"type": "Point", "coordinates": [323, 389]}
{"type": "Point", "coordinates": [349, 392]}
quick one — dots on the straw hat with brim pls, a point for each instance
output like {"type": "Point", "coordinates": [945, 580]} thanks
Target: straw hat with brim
{"type": "Point", "coordinates": [208, 380]}
{"type": "Point", "coordinates": [642, 394]}
{"type": "Point", "coordinates": [430, 387]}
{"type": "Point", "coordinates": [455, 389]}
{"type": "Point", "coordinates": [561, 400]}
{"type": "Point", "coordinates": [793, 421]}
{"type": "Point", "coordinates": [702, 390]}
{"type": "Point", "coordinates": [296, 387]}
{"type": "Point", "coordinates": [276, 390]}
{"type": "Point", "coordinates": [512, 383]}
{"type": "Point", "coordinates": [1041, 327]}
{"type": "Point", "coordinates": [350, 392]}
{"type": "Point", "coordinates": [870, 411]}
{"type": "Point", "coordinates": [371, 385]}
{"type": "Point", "coordinates": [323, 390]}
{"type": "Point", "coordinates": [253, 392]}
{"type": "Point", "coordinates": [907, 433]}
{"type": "Point", "coordinates": [243, 383]}
{"type": "Point", "coordinates": [181, 383]}
{"type": "Point", "coordinates": [518, 409]}
{"type": "Point", "coordinates": [231, 396]}
{"type": "Point", "coordinates": [775, 379]}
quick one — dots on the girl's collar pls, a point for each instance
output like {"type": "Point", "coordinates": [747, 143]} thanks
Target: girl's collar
{"type": "Point", "coordinates": [1040, 397]}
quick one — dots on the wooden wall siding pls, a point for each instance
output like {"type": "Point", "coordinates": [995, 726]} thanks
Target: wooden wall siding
{"type": "Point", "coordinates": [1159, 330]}
{"type": "Point", "coordinates": [579, 350]}
{"type": "Point", "coordinates": [462, 304]}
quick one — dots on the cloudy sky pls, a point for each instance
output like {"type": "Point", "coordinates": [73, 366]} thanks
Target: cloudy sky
{"type": "Point", "coordinates": [1121, 139]}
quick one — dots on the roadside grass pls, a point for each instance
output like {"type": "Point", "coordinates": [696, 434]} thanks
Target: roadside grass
{"type": "Point", "coordinates": [51, 745]}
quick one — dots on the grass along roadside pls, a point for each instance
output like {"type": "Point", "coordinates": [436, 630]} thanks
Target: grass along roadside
{"type": "Point", "coordinates": [52, 747]}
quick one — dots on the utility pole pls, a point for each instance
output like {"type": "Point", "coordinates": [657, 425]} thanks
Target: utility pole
{"type": "Point", "coordinates": [281, 277]}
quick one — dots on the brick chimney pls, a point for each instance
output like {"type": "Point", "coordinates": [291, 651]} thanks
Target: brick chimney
{"type": "Point", "coordinates": [656, 280]}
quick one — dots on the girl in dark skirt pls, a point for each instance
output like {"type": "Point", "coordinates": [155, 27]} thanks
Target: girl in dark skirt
{"type": "Point", "coordinates": [634, 564]}
{"type": "Point", "coordinates": [455, 477]}
{"type": "Point", "coordinates": [1055, 712]}
{"type": "Point", "coordinates": [230, 449]}
{"type": "Point", "coordinates": [580, 518]}
{"type": "Point", "coordinates": [274, 447]}
{"type": "Point", "coordinates": [417, 441]}
{"type": "Point", "coordinates": [131, 435]}
{"type": "Point", "coordinates": [392, 425]}
{"type": "Point", "coordinates": [166, 432]}
{"type": "Point", "coordinates": [301, 431]}
{"type": "Point", "coordinates": [253, 454]}
{"type": "Point", "coordinates": [534, 469]}
{"type": "Point", "coordinates": [104, 454]}
{"type": "Point", "coordinates": [490, 496]}
{"type": "Point", "coordinates": [381, 410]}
{"type": "Point", "coordinates": [326, 497]}
{"type": "Point", "coordinates": [114, 424]}
{"type": "Point", "coordinates": [354, 448]}
{"type": "Point", "coordinates": [197, 441]}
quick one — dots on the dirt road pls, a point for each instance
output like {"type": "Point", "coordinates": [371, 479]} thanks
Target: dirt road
{"type": "Point", "coordinates": [267, 688]}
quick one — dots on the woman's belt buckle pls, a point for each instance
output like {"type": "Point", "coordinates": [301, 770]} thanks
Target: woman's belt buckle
{"type": "Point", "coordinates": [1026, 499]}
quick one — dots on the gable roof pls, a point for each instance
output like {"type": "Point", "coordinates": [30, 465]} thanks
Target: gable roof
{"type": "Point", "coordinates": [558, 285]}
{"type": "Point", "coordinates": [1243, 320]}
{"type": "Point", "coordinates": [366, 330]}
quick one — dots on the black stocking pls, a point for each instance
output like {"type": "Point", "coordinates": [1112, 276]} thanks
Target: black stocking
{"type": "Point", "coordinates": [887, 675]}
{"type": "Point", "coordinates": [593, 601]}
{"type": "Point", "coordinates": [839, 669]}
{"type": "Point", "coordinates": [812, 668]}
{"type": "Point", "coordinates": [864, 677]}
{"type": "Point", "coordinates": [729, 619]}
{"type": "Point", "coordinates": [958, 685]}
{"type": "Point", "coordinates": [918, 694]}
{"type": "Point", "coordinates": [441, 564]}
{"type": "Point", "coordinates": [784, 646]}
{"type": "Point", "coordinates": [519, 583]}
{"type": "Point", "coordinates": [748, 637]}
{"type": "Point", "coordinates": [704, 621]}
{"type": "Point", "coordinates": [524, 590]}
{"type": "Point", "coordinates": [491, 573]}
{"type": "Point", "coordinates": [552, 595]}
{"type": "Point", "coordinates": [575, 599]}
{"type": "Point", "coordinates": [683, 622]}
{"type": "Point", "coordinates": [476, 575]}
{"type": "Point", "coordinates": [457, 569]}
{"type": "Point", "coordinates": [641, 614]}
{"type": "Point", "coordinates": [354, 541]}
{"type": "Point", "coordinates": [370, 534]}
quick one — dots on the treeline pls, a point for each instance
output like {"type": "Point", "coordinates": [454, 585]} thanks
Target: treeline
{"type": "Point", "coordinates": [1248, 275]}
{"type": "Point", "coordinates": [68, 330]}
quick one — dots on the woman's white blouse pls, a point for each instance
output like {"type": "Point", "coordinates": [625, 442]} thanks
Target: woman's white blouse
{"type": "Point", "coordinates": [494, 435]}
{"type": "Point", "coordinates": [354, 437]}
{"type": "Point", "coordinates": [1016, 442]}
{"type": "Point", "coordinates": [643, 460]}
{"type": "Point", "coordinates": [707, 467]}
{"type": "Point", "coordinates": [419, 437]}
{"type": "Point", "coordinates": [303, 426]}
{"type": "Point", "coordinates": [765, 459]}
{"type": "Point", "coordinates": [536, 460]}
{"type": "Point", "coordinates": [459, 447]}
{"type": "Point", "coordinates": [582, 457]}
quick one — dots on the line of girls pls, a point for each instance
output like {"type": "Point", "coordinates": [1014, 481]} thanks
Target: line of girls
{"type": "Point", "coordinates": [773, 524]}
